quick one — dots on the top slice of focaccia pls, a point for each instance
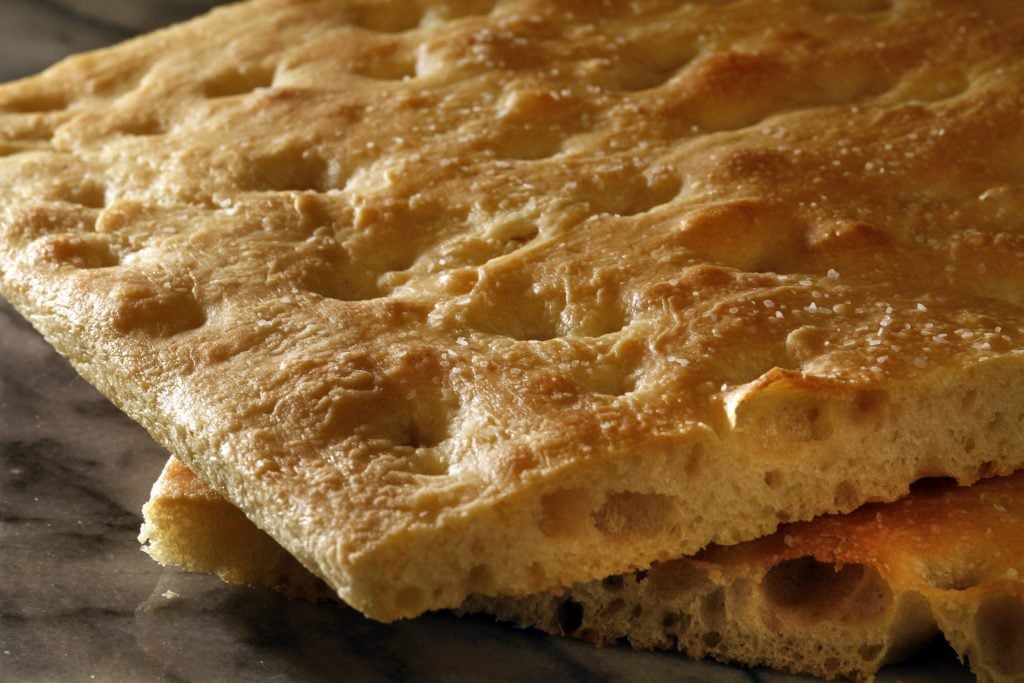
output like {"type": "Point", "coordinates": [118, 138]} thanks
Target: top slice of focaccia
{"type": "Point", "coordinates": [490, 297]}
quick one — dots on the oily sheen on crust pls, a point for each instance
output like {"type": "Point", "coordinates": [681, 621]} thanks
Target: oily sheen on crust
{"type": "Point", "coordinates": [488, 297]}
{"type": "Point", "coordinates": [834, 597]}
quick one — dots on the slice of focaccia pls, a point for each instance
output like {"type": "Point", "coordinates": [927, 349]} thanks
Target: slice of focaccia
{"type": "Point", "coordinates": [835, 597]}
{"type": "Point", "coordinates": [469, 296]}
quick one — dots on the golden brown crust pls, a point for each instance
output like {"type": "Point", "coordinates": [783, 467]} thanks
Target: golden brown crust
{"type": "Point", "coordinates": [447, 296]}
{"type": "Point", "coordinates": [836, 596]}
{"type": "Point", "coordinates": [188, 525]}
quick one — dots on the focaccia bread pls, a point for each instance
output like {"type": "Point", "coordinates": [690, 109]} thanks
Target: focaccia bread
{"type": "Point", "coordinates": [835, 597]}
{"type": "Point", "coordinates": [187, 524]}
{"type": "Point", "coordinates": [488, 297]}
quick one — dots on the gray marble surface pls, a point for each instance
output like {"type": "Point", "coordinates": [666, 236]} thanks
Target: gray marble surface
{"type": "Point", "coordinates": [80, 602]}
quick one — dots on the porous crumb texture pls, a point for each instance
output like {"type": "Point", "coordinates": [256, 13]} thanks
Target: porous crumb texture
{"type": "Point", "coordinates": [837, 597]}
{"type": "Point", "coordinates": [478, 296]}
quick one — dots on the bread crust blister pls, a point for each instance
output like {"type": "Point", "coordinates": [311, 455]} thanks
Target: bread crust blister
{"type": "Point", "coordinates": [456, 297]}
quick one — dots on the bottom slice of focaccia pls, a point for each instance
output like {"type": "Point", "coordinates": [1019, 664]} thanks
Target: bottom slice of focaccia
{"type": "Point", "coordinates": [835, 597]}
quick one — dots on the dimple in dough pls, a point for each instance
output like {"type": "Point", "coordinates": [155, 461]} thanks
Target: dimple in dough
{"type": "Point", "coordinates": [497, 296]}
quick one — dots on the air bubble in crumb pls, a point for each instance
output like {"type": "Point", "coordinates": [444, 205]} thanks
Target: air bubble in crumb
{"type": "Point", "coordinates": [171, 595]}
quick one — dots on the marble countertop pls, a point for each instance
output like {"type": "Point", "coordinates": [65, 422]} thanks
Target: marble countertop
{"type": "Point", "coordinates": [79, 601]}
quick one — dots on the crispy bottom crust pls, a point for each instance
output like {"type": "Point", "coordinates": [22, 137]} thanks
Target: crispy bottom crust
{"type": "Point", "coordinates": [835, 597]}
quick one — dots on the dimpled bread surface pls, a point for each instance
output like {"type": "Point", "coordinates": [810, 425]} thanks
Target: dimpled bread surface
{"type": "Point", "coordinates": [490, 297]}
{"type": "Point", "coordinates": [839, 596]}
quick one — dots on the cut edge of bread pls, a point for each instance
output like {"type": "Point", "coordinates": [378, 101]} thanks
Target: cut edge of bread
{"type": "Point", "coordinates": [641, 422]}
{"type": "Point", "coordinates": [795, 601]}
